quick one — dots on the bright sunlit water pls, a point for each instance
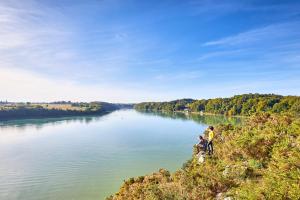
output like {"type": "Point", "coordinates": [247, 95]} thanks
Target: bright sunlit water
{"type": "Point", "coordinates": [89, 157]}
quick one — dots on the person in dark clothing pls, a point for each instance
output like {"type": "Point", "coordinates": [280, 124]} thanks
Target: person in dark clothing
{"type": "Point", "coordinates": [202, 145]}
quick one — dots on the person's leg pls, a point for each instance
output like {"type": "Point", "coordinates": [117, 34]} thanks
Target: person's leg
{"type": "Point", "coordinates": [209, 147]}
{"type": "Point", "coordinates": [212, 147]}
{"type": "Point", "coordinates": [198, 148]}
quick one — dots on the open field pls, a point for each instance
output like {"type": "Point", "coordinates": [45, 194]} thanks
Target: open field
{"type": "Point", "coordinates": [10, 110]}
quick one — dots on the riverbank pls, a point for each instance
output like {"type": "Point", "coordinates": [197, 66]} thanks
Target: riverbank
{"type": "Point", "coordinates": [14, 111]}
{"type": "Point", "coordinates": [258, 160]}
{"type": "Point", "coordinates": [210, 114]}
{"type": "Point", "coordinates": [238, 105]}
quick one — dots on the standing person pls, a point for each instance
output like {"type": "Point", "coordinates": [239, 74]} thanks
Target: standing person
{"type": "Point", "coordinates": [211, 135]}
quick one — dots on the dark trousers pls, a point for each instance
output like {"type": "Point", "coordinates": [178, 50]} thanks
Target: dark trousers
{"type": "Point", "coordinates": [210, 148]}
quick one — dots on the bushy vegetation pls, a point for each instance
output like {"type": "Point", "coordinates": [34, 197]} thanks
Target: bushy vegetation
{"type": "Point", "coordinates": [56, 109]}
{"type": "Point", "coordinates": [247, 104]}
{"type": "Point", "coordinates": [257, 160]}
{"type": "Point", "coordinates": [176, 105]}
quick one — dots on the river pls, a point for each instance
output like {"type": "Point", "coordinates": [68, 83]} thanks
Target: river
{"type": "Point", "coordinates": [89, 157]}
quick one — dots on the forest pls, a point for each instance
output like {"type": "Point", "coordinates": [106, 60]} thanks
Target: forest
{"type": "Point", "coordinates": [246, 105]}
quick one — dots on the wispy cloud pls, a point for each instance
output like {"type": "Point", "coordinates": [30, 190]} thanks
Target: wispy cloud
{"type": "Point", "coordinates": [264, 34]}
{"type": "Point", "coordinates": [112, 48]}
{"type": "Point", "coordinates": [31, 35]}
{"type": "Point", "coordinates": [42, 38]}
{"type": "Point", "coordinates": [218, 53]}
{"type": "Point", "coordinates": [269, 47]}
{"type": "Point", "coordinates": [212, 9]}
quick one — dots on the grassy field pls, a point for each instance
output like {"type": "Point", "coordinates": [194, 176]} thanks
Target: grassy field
{"type": "Point", "coordinates": [58, 109]}
{"type": "Point", "coordinates": [41, 105]}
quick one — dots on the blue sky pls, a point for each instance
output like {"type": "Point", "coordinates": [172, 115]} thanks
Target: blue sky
{"type": "Point", "coordinates": [138, 50]}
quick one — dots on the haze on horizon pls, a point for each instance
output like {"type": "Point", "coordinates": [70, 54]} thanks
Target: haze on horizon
{"type": "Point", "coordinates": [133, 51]}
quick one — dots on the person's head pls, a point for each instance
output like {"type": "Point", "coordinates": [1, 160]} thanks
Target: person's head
{"type": "Point", "coordinates": [201, 137]}
{"type": "Point", "coordinates": [211, 128]}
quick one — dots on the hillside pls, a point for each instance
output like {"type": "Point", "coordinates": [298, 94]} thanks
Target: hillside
{"type": "Point", "coordinates": [247, 104]}
{"type": "Point", "coordinates": [258, 160]}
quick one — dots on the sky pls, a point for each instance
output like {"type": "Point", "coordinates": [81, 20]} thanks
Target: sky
{"type": "Point", "coordinates": [147, 50]}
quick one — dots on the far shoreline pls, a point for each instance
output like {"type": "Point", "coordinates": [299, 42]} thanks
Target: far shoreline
{"type": "Point", "coordinates": [213, 114]}
{"type": "Point", "coordinates": [56, 117]}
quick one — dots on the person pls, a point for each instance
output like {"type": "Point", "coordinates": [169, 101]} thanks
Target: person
{"type": "Point", "coordinates": [201, 149]}
{"type": "Point", "coordinates": [211, 135]}
{"type": "Point", "coordinates": [202, 145]}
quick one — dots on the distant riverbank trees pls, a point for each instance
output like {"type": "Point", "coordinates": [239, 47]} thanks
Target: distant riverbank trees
{"type": "Point", "coordinates": [246, 104]}
{"type": "Point", "coordinates": [27, 110]}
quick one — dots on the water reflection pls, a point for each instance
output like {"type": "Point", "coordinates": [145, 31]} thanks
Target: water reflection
{"type": "Point", "coordinates": [40, 123]}
{"type": "Point", "coordinates": [200, 119]}
{"type": "Point", "coordinates": [68, 159]}
{"type": "Point", "coordinates": [37, 124]}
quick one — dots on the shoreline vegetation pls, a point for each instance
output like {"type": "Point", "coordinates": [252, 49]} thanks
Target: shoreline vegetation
{"type": "Point", "coordinates": [14, 111]}
{"type": "Point", "coordinates": [196, 117]}
{"type": "Point", "coordinates": [239, 105]}
{"type": "Point", "coordinates": [209, 114]}
{"type": "Point", "coordinates": [258, 159]}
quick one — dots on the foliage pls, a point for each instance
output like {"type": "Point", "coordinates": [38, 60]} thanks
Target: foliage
{"type": "Point", "coordinates": [177, 105]}
{"type": "Point", "coordinates": [246, 105]}
{"type": "Point", "coordinates": [258, 160]}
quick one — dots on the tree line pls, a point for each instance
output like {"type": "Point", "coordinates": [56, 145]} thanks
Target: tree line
{"type": "Point", "coordinates": [43, 110]}
{"type": "Point", "coordinates": [246, 104]}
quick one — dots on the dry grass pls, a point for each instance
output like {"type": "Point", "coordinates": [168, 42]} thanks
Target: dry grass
{"type": "Point", "coordinates": [61, 107]}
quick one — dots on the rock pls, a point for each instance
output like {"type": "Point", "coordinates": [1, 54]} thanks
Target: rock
{"type": "Point", "coordinates": [219, 196]}
{"type": "Point", "coordinates": [201, 157]}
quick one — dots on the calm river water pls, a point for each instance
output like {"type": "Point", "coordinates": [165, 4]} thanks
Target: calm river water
{"type": "Point", "coordinates": [87, 158]}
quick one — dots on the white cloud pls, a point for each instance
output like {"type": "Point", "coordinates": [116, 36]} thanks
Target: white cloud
{"type": "Point", "coordinates": [31, 35]}
{"type": "Point", "coordinates": [81, 54]}
{"type": "Point", "coordinates": [264, 34]}
{"type": "Point", "coordinates": [22, 24]}
{"type": "Point", "coordinates": [42, 38]}
{"type": "Point", "coordinates": [44, 56]}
